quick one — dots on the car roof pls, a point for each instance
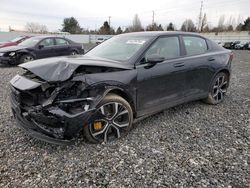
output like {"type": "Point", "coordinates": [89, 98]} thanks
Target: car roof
{"type": "Point", "coordinates": [47, 36]}
{"type": "Point", "coordinates": [161, 33]}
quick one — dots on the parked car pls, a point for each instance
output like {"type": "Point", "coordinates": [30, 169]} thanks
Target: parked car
{"type": "Point", "coordinates": [39, 47]}
{"type": "Point", "coordinates": [122, 80]}
{"type": "Point", "coordinates": [242, 46]}
{"type": "Point", "coordinates": [231, 45]}
{"type": "Point", "coordinates": [221, 44]}
{"type": "Point", "coordinates": [227, 45]}
{"type": "Point", "coordinates": [14, 41]}
{"type": "Point", "coordinates": [100, 40]}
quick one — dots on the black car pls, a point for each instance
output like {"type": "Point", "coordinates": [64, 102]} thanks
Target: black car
{"type": "Point", "coordinates": [231, 45]}
{"type": "Point", "coordinates": [124, 79]}
{"type": "Point", "coordinates": [37, 48]}
{"type": "Point", "coordinates": [242, 46]}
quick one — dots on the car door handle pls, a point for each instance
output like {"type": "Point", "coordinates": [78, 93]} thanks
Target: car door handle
{"type": "Point", "coordinates": [178, 64]}
{"type": "Point", "coordinates": [211, 59]}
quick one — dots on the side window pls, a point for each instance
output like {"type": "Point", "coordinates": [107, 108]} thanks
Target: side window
{"type": "Point", "coordinates": [195, 45]}
{"type": "Point", "coordinates": [47, 42]}
{"type": "Point", "coordinates": [167, 47]}
{"type": "Point", "coordinates": [60, 41]}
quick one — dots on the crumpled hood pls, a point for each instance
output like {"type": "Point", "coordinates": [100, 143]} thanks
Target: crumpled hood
{"type": "Point", "coordinates": [61, 68]}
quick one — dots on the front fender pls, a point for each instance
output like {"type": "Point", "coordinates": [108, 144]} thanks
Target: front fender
{"type": "Point", "coordinates": [24, 51]}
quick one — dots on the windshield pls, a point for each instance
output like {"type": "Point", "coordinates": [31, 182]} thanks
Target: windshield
{"type": "Point", "coordinates": [16, 39]}
{"type": "Point", "coordinates": [29, 42]}
{"type": "Point", "coordinates": [119, 48]}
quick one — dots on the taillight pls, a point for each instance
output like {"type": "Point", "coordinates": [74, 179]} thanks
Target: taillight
{"type": "Point", "coordinates": [231, 56]}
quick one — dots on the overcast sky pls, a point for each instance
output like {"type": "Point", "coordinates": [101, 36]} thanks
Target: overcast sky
{"type": "Point", "coordinates": [91, 14]}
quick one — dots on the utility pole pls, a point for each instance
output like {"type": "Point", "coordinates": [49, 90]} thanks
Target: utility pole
{"type": "Point", "coordinates": [109, 21]}
{"type": "Point", "coordinates": [200, 16]}
{"type": "Point", "coordinates": [153, 18]}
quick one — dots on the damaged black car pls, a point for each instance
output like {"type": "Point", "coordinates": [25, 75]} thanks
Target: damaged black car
{"type": "Point", "coordinates": [124, 79]}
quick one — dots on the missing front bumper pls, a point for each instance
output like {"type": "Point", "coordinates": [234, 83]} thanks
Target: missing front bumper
{"type": "Point", "coordinates": [70, 127]}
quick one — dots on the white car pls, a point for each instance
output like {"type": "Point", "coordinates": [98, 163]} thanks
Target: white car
{"type": "Point", "coordinates": [100, 40]}
{"type": "Point", "coordinates": [242, 45]}
{"type": "Point", "coordinates": [221, 43]}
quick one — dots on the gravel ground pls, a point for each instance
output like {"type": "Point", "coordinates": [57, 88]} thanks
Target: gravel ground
{"type": "Point", "coordinates": [191, 145]}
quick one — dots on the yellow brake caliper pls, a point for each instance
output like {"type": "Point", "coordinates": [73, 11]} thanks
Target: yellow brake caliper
{"type": "Point", "coordinates": [97, 125]}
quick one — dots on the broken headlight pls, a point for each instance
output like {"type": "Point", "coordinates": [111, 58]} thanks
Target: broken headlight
{"type": "Point", "coordinates": [12, 54]}
{"type": "Point", "coordinates": [74, 98]}
{"type": "Point", "coordinates": [73, 90]}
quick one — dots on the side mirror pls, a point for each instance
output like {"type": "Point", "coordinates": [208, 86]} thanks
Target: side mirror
{"type": "Point", "coordinates": [40, 46]}
{"type": "Point", "coordinates": [154, 58]}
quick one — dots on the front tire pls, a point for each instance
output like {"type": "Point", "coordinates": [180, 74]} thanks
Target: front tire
{"type": "Point", "coordinates": [26, 58]}
{"type": "Point", "coordinates": [115, 120]}
{"type": "Point", "coordinates": [218, 89]}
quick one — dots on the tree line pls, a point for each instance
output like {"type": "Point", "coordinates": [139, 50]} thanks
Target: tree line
{"type": "Point", "coordinates": [72, 26]}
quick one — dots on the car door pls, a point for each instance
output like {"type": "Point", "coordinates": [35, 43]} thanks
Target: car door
{"type": "Point", "coordinates": [62, 47]}
{"type": "Point", "coordinates": [198, 62]}
{"type": "Point", "coordinates": [163, 84]}
{"type": "Point", "coordinates": [45, 48]}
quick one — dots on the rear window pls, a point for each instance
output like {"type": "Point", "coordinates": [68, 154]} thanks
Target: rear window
{"type": "Point", "coordinates": [195, 45]}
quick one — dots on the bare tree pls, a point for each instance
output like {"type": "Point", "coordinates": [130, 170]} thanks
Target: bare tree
{"type": "Point", "coordinates": [36, 27]}
{"type": "Point", "coordinates": [239, 23]}
{"type": "Point", "coordinates": [188, 25]}
{"type": "Point", "coordinates": [43, 29]}
{"type": "Point", "coordinates": [136, 24]}
{"type": "Point", "coordinates": [221, 26]}
{"type": "Point", "coordinates": [239, 20]}
{"type": "Point", "coordinates": [203, 22]}
{"type": "Point", "coordinates": [231, 21]}
{"type": "Point", "coordinates": [206, 28]}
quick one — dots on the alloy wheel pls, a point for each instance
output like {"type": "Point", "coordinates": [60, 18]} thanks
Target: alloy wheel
{"type": "Point", "coordinates": [27, 59]}
{"type": "Point", "coordinates": [220, 88]}
{"type": "Point", "coordinates": [114, 122]}
{"type": "Point", "coordinates": [73, 53]}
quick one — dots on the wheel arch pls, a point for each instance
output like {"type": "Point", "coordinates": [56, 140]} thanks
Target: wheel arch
{"type": "Point", "coordinates": [21, 53]}
{"type": "Point", "coordinates": [126, 96]}
{"type": "Point", "coordinates": [74, 50]}
{"type": "Point", "coordinates": [226, 71]}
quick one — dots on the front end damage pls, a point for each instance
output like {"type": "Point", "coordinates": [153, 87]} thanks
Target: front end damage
{"type": "Point", "coordinates": [56, 97]}
{"type": "Point", "coordinates": [54, 112]}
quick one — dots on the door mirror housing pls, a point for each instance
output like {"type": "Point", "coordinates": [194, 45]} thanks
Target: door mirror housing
{"type": "Point", "coordinates": [154, 58]}
{"type": "Point", "coordinates": [40, 46]}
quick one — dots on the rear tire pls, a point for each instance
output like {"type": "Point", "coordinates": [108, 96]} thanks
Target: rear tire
{"type": "Point", "coordinates": [116, 121]}
{"type": "Point", "coordinates": [74, 52]}
{"type": "Point", "coordinates": [218, 89]}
